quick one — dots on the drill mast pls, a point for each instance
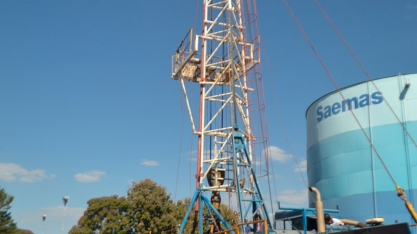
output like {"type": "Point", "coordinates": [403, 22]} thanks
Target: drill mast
{"type": "Point", "coordinates": [222, 61]}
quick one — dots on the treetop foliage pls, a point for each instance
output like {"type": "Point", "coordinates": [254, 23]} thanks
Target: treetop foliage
{"type": "Point", "coordinates": [23, 231]}
{"type": "Point", "coordinates": [146, 208]}
{"type": "Point", "coordinates": [7, 225]}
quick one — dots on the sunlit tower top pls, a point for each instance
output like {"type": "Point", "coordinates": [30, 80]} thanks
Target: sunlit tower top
{"type": "Point", "coordinates": [222, 61]}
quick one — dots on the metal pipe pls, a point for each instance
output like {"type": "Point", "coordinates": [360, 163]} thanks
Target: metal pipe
{"type": "Point", "coordinates": [319, 211]}
{"type": "Point", "coordinates": [353, 222]}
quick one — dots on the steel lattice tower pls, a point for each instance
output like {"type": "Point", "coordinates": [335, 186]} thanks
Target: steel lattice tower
{"type": "Point", "coordinates": [220, 61]}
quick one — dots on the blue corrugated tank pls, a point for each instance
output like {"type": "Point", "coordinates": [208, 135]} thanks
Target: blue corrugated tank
{"type": "Point", "coordinates": [340, 160]}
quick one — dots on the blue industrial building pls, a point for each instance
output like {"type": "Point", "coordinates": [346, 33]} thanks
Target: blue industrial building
{"type": "Point", "coordinates": [343, 126]}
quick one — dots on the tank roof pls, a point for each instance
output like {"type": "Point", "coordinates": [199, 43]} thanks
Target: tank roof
{"type": "Point", "coordinates": [335, 91]}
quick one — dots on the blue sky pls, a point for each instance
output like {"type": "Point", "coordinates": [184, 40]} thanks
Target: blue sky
{"type": "Point", "coordinates": [88, 106]}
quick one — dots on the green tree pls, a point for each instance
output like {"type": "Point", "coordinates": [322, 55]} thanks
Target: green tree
{"type": "Point", "coordinates": [7, 225]}
{"type": "Point", "coordinates": [150, 208]}
{"type": "Point", "coordinates": [105, 214]}
{"type": "Point", "coordinates": [23, 231]}
{"type": "Point", "coordinates": [147, 207]}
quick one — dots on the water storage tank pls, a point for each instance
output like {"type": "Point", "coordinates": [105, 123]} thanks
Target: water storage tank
{"type": "Point", "coordinates": [340, 160]}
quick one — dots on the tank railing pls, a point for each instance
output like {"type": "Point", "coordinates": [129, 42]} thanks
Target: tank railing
{"type": "Point", "coordinates": [185, 46]}
{"type": "Point", "coordinates": [184, 53]}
